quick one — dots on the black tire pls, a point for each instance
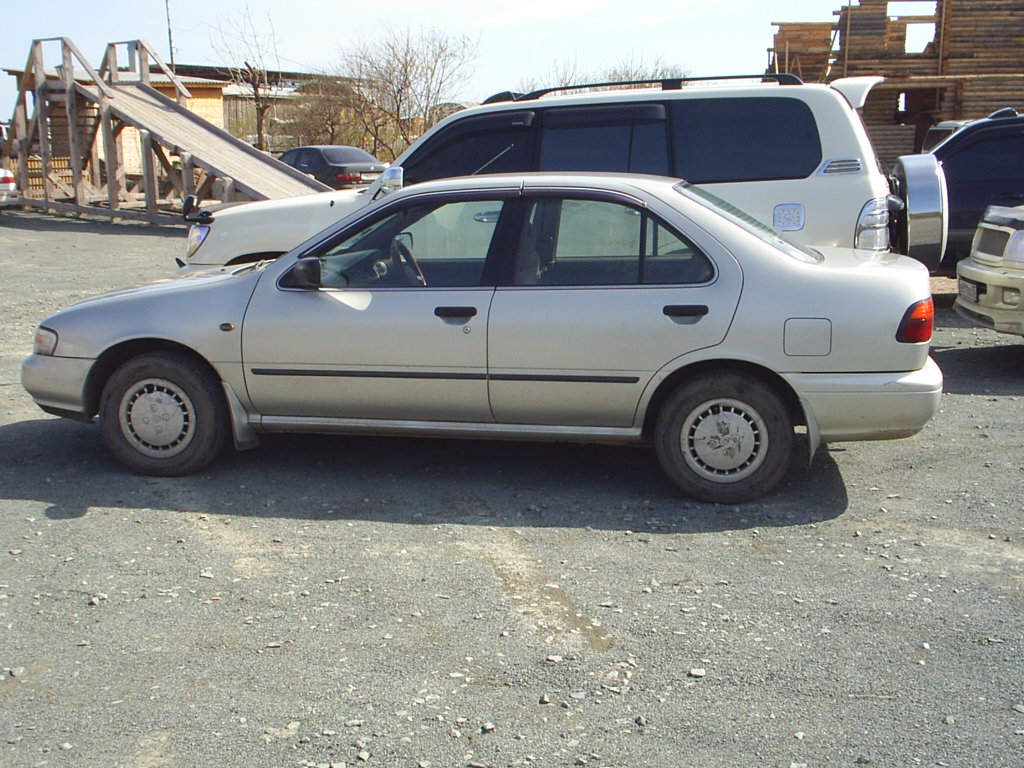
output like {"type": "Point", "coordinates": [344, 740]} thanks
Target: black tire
{"type": "Point", "coordinates": [724, 437]}
{"type": "Point", "coordinates": [163, 413]}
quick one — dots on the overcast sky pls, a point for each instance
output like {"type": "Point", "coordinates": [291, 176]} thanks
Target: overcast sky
{"type": "Point", "coordinates": [517, 41]}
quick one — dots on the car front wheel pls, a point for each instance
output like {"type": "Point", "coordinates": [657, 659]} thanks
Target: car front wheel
{"type": "Point", "coordinates": [163, 413]}
{"type": "Point", "coordinates": [724, 438]}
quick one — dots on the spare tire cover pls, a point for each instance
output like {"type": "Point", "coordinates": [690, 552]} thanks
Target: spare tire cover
{"type": "Point", "coordinates": [921, 227]}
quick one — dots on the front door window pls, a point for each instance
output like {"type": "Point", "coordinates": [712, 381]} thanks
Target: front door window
{"type": "Point", "coordinates": [439, 246]}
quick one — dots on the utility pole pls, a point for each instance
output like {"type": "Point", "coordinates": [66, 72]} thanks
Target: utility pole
{"type": "Point", "coordinates": [170, 40]}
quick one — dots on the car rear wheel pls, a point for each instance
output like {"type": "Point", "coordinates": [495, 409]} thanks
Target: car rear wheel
{"type": "Point", "coordinates": [724, 438]}
{"type": "Point", "coordinates": [163, 414]}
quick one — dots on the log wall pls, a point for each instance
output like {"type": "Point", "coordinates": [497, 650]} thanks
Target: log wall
{"type": "Point", "coordinates": [973, 66]}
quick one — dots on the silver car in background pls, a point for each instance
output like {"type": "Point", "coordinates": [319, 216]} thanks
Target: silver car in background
{"type": "Point", "coordinates": [8, 189]}
{"type": "Point", "coordinates": [573, 307]}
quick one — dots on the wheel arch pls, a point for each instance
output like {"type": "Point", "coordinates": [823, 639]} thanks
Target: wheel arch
{"type": "Point", "coordinates": [703, 367]}
{"type": "Point", "coordinates": [111, 359]}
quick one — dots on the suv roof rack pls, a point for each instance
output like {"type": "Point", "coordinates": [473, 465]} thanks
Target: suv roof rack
{"type": "Point", "coordinates": [999, 114]}
{"type": "Point", "coordinates": [667, 84]}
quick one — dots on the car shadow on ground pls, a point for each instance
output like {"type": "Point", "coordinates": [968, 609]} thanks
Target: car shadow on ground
{"type": "Point", "coordinates": [32, 221]}
{"type": "Point", "coordinates": [1001, 368]}
{"type": "Point", "coordinates": [63, 465]}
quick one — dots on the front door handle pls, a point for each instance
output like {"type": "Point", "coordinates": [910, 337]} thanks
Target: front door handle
{"type": "Point", "coordinates": [685, 310]}
{"type": "Point", "coordinates": [447, 313]}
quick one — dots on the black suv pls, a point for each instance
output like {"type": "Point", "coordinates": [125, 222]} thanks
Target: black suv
{"type": "Point", "coordinates": [984, 165]}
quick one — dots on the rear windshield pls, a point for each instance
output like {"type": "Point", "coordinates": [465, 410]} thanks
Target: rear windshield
{"type": "Point", "coordinates": [348, 155]}
{"type": "Point", "coordinates": [748, 222]}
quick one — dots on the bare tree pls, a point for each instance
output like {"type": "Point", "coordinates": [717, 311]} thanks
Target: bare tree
{"type": "Point", "coordinates": [402, 83]}
{"type": "Point", "coordinates": [630, 69]}
{"type": "Point", "coordinates": [321, 113]}
{"type": "Point", "coordinates": [247, 53]}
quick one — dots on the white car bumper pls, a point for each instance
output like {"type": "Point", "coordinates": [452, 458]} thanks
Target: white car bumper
{"type": "Point", "coordinates": [991, 296]}
{"type": "Point", "coordinates": [869, 406]}
{"type": "Point", "coordinates": [57, 384]}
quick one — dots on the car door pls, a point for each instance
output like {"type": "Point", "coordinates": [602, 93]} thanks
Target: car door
{"type": "Point", "coordinates": [603, 296]}
{"type": "Point", "coordinates": [397, 329]}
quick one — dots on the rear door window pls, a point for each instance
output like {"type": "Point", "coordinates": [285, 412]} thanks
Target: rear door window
{"type": "Point", "coordinates": [630, 138]}
{"type": "Point", "coordinates": [744, 139]}
{"type": "Point", "coordinates": [573, 242]}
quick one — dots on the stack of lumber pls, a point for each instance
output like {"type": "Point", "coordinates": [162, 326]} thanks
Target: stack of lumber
{"type": "Point", "coordinates": [802, 49]}
{"type": "Point", "coordinates": [973, 66]}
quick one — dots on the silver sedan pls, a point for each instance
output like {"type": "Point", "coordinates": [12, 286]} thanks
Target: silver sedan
{"type": "Point", "coordinates": [577, 307]}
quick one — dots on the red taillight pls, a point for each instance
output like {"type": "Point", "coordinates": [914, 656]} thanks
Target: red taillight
{"type": "Point", "coordinates": [347, 177]}
{"type": "Point", "coordinates": [916, 325]}
{"type": "Point", "coordinates": [6, 178]}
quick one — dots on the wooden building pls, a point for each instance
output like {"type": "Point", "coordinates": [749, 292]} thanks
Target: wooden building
{"type": "Point", "coordinates": [970, 63]}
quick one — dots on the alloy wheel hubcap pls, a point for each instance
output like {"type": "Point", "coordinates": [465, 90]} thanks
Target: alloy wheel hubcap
{"type": "Point", "coordinates": [157, 418]}
{"type": "Point", "coordinates": [724, 440]}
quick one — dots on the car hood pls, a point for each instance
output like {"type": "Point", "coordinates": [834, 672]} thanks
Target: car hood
{"type": "Point", "coordinates": [342, 198]}
{"type": "Point", "coordinates": [192, 310]}
{"type": "Point", "coordinates": [183, 283]}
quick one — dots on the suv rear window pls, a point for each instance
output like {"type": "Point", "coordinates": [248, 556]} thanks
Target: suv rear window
{"type": "Point", "coordinates": [719, 140]}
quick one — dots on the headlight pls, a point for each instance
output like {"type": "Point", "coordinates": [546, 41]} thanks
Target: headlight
{"type": "Point", "coordinates": [196, 235]}
{"type": "Point", "coordinates": [1015, 248]}
{"type": "Point", "coordinates": [45, 342]}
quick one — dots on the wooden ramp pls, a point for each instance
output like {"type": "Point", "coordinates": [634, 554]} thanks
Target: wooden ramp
{"type": "Point", "coordinates": [106, 141]}
{"type": "Point", "coordinates": [253, 173]}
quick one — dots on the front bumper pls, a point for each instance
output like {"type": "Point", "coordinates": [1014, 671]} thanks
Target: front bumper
{"type": "Point", "coordinates": [991, 296]}
{"type": "Point", "coordinates": [57, 384]}
{"type": "Point", "coordinates": [870, 406]}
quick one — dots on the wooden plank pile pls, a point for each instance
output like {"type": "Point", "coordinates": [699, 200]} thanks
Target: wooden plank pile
{"type": "Point", "coordinates": [803, 49]}
{"type": "Point", "coordinates": [973, 66]}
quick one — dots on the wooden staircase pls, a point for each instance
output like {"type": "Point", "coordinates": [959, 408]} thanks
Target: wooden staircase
{"type": "Point", "coordinates": [105, 141]}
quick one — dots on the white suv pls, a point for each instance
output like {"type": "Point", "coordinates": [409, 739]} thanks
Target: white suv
{"type": "Point", "coordinates": [991, 279]}
{"type": "Point", "coordinates": [793, 155]}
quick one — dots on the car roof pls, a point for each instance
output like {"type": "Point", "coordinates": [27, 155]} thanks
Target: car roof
{"type": "Point", "coordinates": [738, 89]}
{"type": "Point", "coordinates": [1003, 117]}
{"type": "Point", "coordinates": [616, 182]}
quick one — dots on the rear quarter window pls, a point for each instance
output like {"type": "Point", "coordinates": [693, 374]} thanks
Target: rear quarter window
{"type": "Point", "coordinates": [744, 139]}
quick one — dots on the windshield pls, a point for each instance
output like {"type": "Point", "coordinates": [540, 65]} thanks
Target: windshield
{"type": "Point", "coordinates": [743, 219]}
{"type": "Point", "coordinates": [348, 155]}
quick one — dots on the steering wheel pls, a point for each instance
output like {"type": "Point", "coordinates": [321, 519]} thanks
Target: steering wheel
{"type": "Point", "coordinates": [403, 260]}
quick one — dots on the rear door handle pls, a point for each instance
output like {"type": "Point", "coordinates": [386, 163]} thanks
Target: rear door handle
{"type": "Point", "coordinates": [685, 310]}
{"type": "Point", "coordinates": [455, 312]}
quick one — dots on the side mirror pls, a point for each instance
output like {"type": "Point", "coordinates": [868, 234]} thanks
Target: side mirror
{"type": "Point", "coordinates": [406, 239]}
{"type": "Point", "coordinates": [191, 212]}
{"type": "Point", "coordinates": [392, 180]}
{"type": "Point", "coordinates": [305, 274]}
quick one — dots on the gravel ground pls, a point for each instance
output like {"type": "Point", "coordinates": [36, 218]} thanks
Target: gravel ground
{"type": "Point", "coordinates": [327, 601]}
